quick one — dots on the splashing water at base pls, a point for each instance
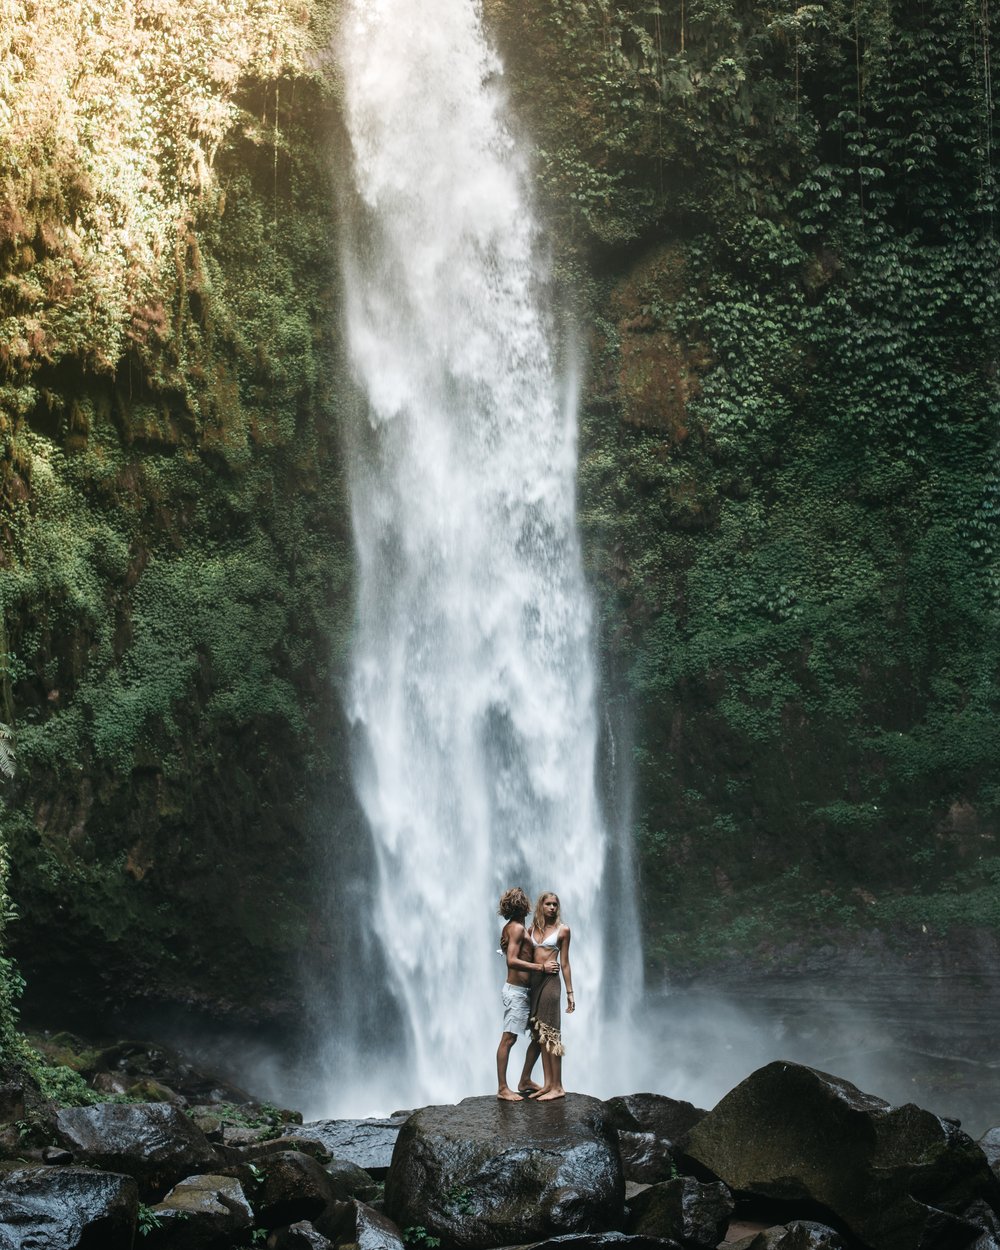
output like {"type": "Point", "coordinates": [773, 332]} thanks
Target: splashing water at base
{"type": "Point", "coordinates": [472, 690]}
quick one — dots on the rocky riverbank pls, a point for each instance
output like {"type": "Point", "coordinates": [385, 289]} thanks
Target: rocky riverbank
{"type": "Point", "coordinates": [791, 1159]}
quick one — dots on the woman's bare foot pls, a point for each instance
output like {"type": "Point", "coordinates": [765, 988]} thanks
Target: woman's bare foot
{"type": "Point", "coordinates": [529, 1088]}
{"type": "Point", "coordinates": [549, 1094]}
{"type": "Point", "coordinates": [507, 1095]}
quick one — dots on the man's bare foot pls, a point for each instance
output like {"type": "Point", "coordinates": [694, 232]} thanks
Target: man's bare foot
{"type": "Point", "coordinates": [507, 1095]}
{"type": "Point", "coordinates": [548, 1095]}
{"type": "Point", "coordinates": [529, 1088]}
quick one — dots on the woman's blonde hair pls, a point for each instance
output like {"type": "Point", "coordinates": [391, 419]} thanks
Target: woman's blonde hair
{"type": "Point", "coordinates": [538, 920]}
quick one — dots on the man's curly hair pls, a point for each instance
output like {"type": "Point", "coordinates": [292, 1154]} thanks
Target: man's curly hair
{"type": "Point", "coordinates": [513, 903]}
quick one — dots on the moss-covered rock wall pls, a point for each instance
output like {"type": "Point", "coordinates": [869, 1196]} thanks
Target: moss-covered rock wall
{"type": "Point", "coordinates": [780, 219]}
{"type": "Point", "coordinates": [175, 579]}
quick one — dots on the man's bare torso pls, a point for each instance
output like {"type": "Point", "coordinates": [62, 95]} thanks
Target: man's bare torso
{"type": "Point", "coordinates": [515, 931]}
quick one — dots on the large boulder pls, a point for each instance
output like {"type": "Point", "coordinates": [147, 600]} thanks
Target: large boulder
{"type": "Point", "coordinates": [683, 1209]}
{"type": "Point", "coordinates": [990, 1145]}
{"type": "Point", "coordinates": [153, 1142]}
{"type": "Point", "coordinates": [367, 1143]}
{"type": "Point", "coordinates": [796, 1235]}
{"type": "Point", "coordinates": [293, 1187]}
{"type": "Point", "coordinates": [646, 1158]}
{"type": "Point", "coordinates": [669, 1118]}
{"type": "Point", "coordinates": [350, 1181]}
{"type": "Point", "coordinates": [491, 1173]}
{"type": "Point", "coordinates": [356, 1224]}
{"type": "Point", "coordinates": [298, 1236]}
{"type": "Point", "coordinates": [201, 1213]}
{"type": "Point", "coordinates": [63, 1207]}
{"type": "Point", "coordinates": [604, 1241]}
{"type": "Point", "coordinates": [896, 1177]}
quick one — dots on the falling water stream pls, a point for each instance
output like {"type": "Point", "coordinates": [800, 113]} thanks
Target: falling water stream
{"type": "Point", "coordinates": [472, 689]}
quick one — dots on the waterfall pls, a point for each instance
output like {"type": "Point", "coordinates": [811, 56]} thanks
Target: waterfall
{"type": "Point", "coordinates": [472, 689]}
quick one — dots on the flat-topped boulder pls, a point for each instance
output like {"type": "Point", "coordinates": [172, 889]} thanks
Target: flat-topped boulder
{"type": "Point", "coordinates": [669, 1118]}
{"type": "Point", "coordinates": [899, 1178]}
{"type": "Point", "coordinates": [366, 1143]}
{"type": "Point", "coordinates": [153, 1142]}
{"type": "Point", "coordinates": [489, 1173]}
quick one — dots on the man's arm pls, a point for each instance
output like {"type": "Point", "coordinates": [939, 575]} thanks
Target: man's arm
{"type": "Point", "coordinates": [515, 936]}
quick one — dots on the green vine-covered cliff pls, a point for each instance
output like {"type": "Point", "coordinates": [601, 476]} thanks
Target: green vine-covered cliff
{"type": "Point", "coordinates": [781, 218]}
{"type": "Point", "coordinates": [176, 572]}
{"type": "Point", "coordinates": [774, 225]}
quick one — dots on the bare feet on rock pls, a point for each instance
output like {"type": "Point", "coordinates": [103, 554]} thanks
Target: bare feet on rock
{"type": "Point", "coordinates": [549, 1095]}
{"type": "Point", "coordinates": [507, 1095]}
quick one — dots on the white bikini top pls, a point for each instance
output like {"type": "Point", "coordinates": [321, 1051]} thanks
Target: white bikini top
{"type": "Point", "coordinates": [549, 943]}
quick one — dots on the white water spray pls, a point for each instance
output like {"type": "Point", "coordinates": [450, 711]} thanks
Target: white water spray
{"type": "Point", "coordinates": [472, 687]}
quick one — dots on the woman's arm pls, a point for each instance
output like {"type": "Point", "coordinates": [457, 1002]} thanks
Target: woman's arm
{"type": "Point", "coordinates": [567, 971]}
{"type": "Point", "coordinates": [513, 944]}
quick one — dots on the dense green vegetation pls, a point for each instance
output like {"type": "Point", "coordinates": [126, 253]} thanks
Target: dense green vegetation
{"type": "Point", "coordinates": [789, 474]}
{"type": "Point", "coordinates": [174, 581]}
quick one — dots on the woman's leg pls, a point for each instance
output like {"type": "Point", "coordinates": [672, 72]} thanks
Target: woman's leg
{"type": "Point", "coordinates": [546, 1076]}
{"type": "Point", "coordinates": [553, 1081]}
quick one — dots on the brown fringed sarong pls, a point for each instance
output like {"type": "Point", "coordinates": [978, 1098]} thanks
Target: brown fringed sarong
{"type": "Point", "coordinates": [546, 997]}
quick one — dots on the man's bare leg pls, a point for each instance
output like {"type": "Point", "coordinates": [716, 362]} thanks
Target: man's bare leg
{"type": "Point", "coordinates": [504, 1091]}
{"type": "Point", "coordinates": [526, 1085]}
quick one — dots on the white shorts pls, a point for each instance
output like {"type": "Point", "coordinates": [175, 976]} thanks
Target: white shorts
{"type": "Point", "coordinates": [516, 1004]}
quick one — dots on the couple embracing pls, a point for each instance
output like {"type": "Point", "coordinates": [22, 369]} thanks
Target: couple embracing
{"type": "Point", "coordinates": [536, 954]}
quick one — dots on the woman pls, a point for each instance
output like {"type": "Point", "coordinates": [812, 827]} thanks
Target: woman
{"type": "Point", "coordinates": [549, 937]}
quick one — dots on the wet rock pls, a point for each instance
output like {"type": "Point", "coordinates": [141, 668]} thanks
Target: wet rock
{"type": "Point", "coordinates": [356, 1224]}
{"type": "Point", "coordinates": [153, 1142]}
{"type": "Point", "coordinates": [149, 1090]}
{"type": "Point", "coordinates": [200, 1213]}
{"type": "Point", "coordinates": [684, 1209]}
{"type": "Point", "coordinates": [311, 1146]}
{"type": "Point", "coordinates": [293, 1187]}
{"type": "Point", "coordinates": [646, 1158]}
{"type": "Point", "coordinates": [208, 1120]}
{"type": "Point", "coordinates": [299, 1236]}
{"type": "Point", "coordinates": [110, 1083]}
{"type": "Point", "coordinates": [58, 1208]}
{"type": "Point", "coordinates": [134, 1060]}
{"type": "Point", "coordinates": [989, 1143]}
{"type": "Point", "coordinates": [56, 1155]}
{"type": "Point", "coordinates": [368, 1143]}
{"type": "Point", "coordinates": [988, 1221]}
{"type": "Point", "coordinates": [669, 1118]}
{"type": "Point", "coordinates": [604, 1241]}
{"type": "Point", "coordinates": [896, 1177]}
{"type": "Point", "coordinates": [350, 1181]}
{"type": "Point", "coordinates": [244, 1135]}
{"type": "Point", "coordinates": [486, 1173]}
{"type": "Point", "coordinates": [796, 1235]}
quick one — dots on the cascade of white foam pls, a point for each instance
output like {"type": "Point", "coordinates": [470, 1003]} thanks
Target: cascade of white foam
{"type": "Point", "coordinates": [472, 685]}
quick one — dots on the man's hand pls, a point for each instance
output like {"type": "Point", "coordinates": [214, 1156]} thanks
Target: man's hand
{"type": "Point", "coordinates": [551, 966]}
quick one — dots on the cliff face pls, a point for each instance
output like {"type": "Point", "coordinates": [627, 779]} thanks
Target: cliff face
{"type": "Point", "coordinates": [780, 223]}
{"type": "Point", "coordinates": [774, 226]}
{"type": "Point", "coordinates": [176, 569]}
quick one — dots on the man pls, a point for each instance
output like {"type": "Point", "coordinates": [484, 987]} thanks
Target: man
{"type": "Point", "coordinates": [515, 944]}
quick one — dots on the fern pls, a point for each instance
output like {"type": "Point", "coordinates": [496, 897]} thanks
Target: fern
{"type": "Point", "coordinates": [6, 751]}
